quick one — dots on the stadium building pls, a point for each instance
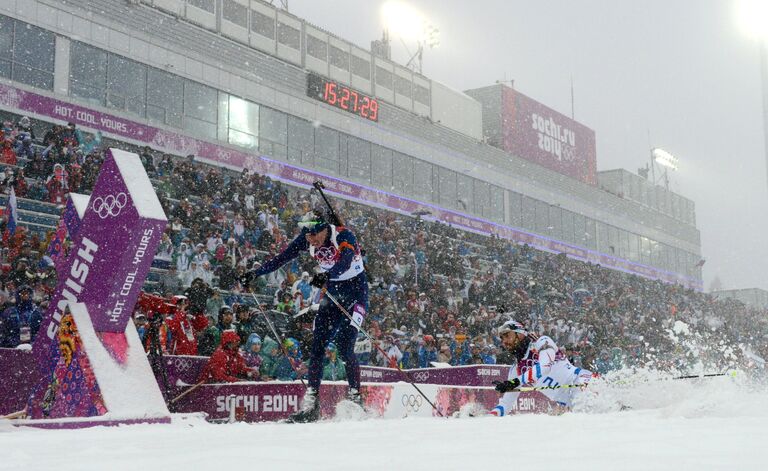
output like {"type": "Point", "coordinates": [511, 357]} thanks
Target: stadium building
{"type": "Point", "coordinates": [242, 84]}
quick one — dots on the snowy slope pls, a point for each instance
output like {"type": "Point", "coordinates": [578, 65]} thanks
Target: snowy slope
{"type": "Point", "coordinates": [702, 425]}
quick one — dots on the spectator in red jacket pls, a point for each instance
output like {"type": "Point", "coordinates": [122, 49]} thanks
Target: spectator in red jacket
{"type": "Point", "coordinates": [7, 155]}
{"type": "Point", "coordinates": [183, 340]}
{"type": "Point", "coordinates": [227, 365]}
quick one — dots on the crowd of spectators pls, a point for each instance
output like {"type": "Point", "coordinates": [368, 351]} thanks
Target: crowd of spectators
{"type": "Point", "coordinates": [437, 293]}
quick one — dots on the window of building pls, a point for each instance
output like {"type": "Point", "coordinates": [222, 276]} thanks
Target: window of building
{"type": "Point", "coordinates": [623, 243]}
{"type": "Point", "coordinates": [634, 247]}
{"type": "Point", "coordinates": [206, 5]}
{"type": "Point", "coordinates": [591, 230]}
{"type": "Point", "coordinates": [201, 112]}
{"type": "Point", "coordinates": [645, 250]}
{"type": "Point", "coordinates": [358, 159]}
{"type": "Point", "coordinates": [165, 98]}
{"type": "Point", "coordinates": [655, 249]}
{"type": "Point", "coordinates": [33, 55]}
{"type": "Point", "coordinates": [403, 86]}
{"type": "Point", "coordinates": [327, 149]}
{"type": "Point", "coordinates": [602, 238]}
{"type": "Point", "coordinates": [381, 167]}
{"type": "Point", "coordinates": [288, 35]}
{"type": "Point", "coordinates": [6, 47]}
{"type": "Point", "coordinates": [422, 180]}
{"type": "Point", "coordinates": [447, 187]}
{"type": "Point", "coordinates": [243, 123]}
{"type": "Point", "coordinates": [361, 67]}
{"type": "Point", "coordinates": [384, 78]}
{"type": "Point", "coordinates": [515, 209]}
{"type": "Point", "coordinates": [613, 241]}
{"type": "Point", "coordinates": [126, 85]}
{"type": "Point", "coordinates": [317, 48]}
{"type": "Point", "coordinates": [529, 213]}
{"type": "Point", "coordinates": [497, 204]}
{"type": "Point", "coordinates": [579, 230]}
{"type": "Point", "coordinates": [567, 218]}
{"type": "Point", "coordinates": [235, 13]}
{"type": "Point", "coordinates": [88, 73]}
{"type": "Point", "coordinates": [402, 173]}
{"type": "Point", "coordinates": [482, 198]}
{"type": "Point", "coordinates": [421, 94]}
{"type": "Point", "coordinates": [671, 258]}
{"type": "Point", "coordinates": [464, 192]}
{"type": "Point", "coordinates": [301, 141]}
{"type": "Point", "coordinates": [542, 218]}
{"type": "Point", "coordinates": [555, 222]}
{"type": "Point", "coordinates": [338, 58]}
{"type": "Point", "coordinates": [262, 24]}
{"type": "Point", "coordinates": [273, 132]}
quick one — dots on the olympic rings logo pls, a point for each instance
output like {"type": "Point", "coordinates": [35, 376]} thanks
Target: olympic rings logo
{"type": "Point", "coordinates": [421, 376]}
{"type": "Point", "coordinates": [411, 402]}
{"type": "Point", "coordinates": [182, 364]}
{"type": "Point", "coordinates": [110, 205]}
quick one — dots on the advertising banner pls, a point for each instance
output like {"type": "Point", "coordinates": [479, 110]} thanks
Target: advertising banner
{"type": "Point", "coordinates": [260, 402]}
{"type": "Point", "coordinates": [535, 132]}
{"type": "Point", "coordinates": [388, 396]}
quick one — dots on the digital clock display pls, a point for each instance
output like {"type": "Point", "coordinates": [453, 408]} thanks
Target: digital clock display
{"type": "Point", "coordinates": [340, 96]}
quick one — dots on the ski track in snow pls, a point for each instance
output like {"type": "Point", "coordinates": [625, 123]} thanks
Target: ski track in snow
{"type": "Point", "coordinates": [698, 425]}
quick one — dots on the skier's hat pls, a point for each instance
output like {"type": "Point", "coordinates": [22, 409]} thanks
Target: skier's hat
{"type": "Point", "coordinates": [313, 222]}
{"type": "Point", "coordinates": [512, 326]}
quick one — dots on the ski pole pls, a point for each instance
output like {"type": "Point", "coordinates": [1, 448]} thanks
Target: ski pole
{"type": "Point", "coordinates": [407, 378]}
{"type": "Point", "coordinates": [564, 386]}
{"type": "Point", "coordinates": [15, 415]}
{"type": "Point", "coordinates": [277, 336]}
{"type": "Point", "coordinates": [709, 375]}
{"type": "Point", "coordinates": [319, 186]}
{"type": "Point", "coordinates": [189, 390]}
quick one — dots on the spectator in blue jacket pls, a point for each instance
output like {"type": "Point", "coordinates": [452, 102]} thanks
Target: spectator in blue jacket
{"type": "Point", "coordinates": [460, 353]}
{"type": "Point", "coordinates": [19, 323]}
{"type": "Point", "coordinates": [427, 352]}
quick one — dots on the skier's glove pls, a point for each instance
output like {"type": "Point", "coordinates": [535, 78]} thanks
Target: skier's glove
{"type": "Point", "coordinates": [245, 279]}
{"type": "Point", "coordinates": [319, 280]}
{"type": "Point", "coordinates": [507, 386]}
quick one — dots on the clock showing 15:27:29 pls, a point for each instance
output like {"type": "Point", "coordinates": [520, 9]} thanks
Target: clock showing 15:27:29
{"type": "Point", "coordinates": [341, 96]}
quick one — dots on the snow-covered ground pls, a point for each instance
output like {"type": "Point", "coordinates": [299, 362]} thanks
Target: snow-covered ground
{"type": "Point", "coordinates": [718, 424]}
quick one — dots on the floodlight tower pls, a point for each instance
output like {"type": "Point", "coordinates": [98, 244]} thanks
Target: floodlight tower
{"type": "Point", "coordinates": [406, 23]}
{"type": "Point", "coordinates": [666, 160]}
{"type": "Point", "coordinates": [753, 19]}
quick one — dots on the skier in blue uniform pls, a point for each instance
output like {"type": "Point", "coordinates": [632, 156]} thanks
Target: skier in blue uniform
{"type": "Point", "coordinates": [342, 274]}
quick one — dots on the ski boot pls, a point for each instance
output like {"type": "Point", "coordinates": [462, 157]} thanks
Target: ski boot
{"type": "Point", "coordinates": [310, 409]}
{"type": "Point", "coordinates": [354, 396]}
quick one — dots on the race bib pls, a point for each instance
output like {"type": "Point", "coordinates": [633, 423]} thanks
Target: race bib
{"type": "Point", "coordinates": [25, 334]}
{"type": "Point", "coordinates": [188, 332]}
{"type": "Point", "coordinates": [358, 315]}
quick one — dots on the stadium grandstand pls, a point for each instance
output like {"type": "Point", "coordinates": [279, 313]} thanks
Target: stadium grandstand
{"type": "Point", "coordinates": [468, 204]}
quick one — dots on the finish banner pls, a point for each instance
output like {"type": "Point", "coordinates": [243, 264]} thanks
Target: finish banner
{"type": "Point", "coordinates": [98, 285]}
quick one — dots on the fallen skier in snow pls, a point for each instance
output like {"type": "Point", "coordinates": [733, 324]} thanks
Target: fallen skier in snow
{"type": "Point", "coordinates": [539, 365]}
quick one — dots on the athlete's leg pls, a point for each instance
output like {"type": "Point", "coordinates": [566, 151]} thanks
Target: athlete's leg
{"type": "Point", "coordinates": [325, 325]}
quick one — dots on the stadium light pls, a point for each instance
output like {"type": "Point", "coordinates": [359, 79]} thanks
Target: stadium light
{"type": "Point", "coordinates": [408, 24]}
{"type": "Point", "coordinates": [752, 16]}
{"type": "Point", "coordinates": [404, 21]}
{"type": "Point", "coordinates": [664, 158]}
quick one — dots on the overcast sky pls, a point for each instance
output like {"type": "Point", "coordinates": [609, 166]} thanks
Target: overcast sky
{"type": "Point", "coordinates": [681, 71]}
